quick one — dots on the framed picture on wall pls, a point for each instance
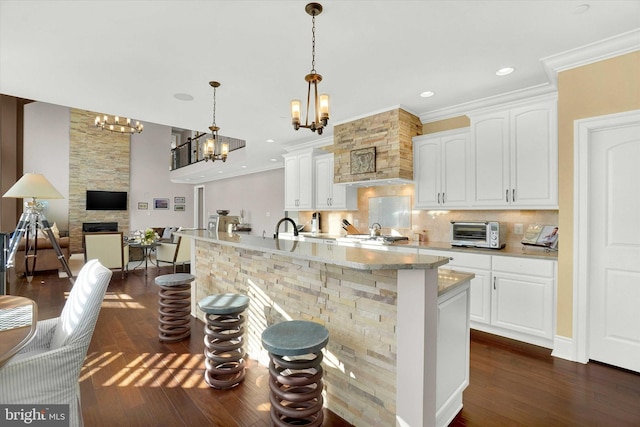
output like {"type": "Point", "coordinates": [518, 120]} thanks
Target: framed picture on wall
{"type": "Point", "coordinates": [161, 204]}
{"type": "Point", "coordinates": [178, 207]}
{"type": "Point", "coordinates": [179, 200]}
{"type": "Point", "coordinates": [143, 206]}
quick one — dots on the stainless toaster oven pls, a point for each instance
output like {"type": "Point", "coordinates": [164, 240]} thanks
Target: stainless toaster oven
{"type": "Point", "coordinates": [478, 234]}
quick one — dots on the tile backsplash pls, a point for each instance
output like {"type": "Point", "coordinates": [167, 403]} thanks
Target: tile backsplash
{"type": "Point", "coordinates": [434, 225]}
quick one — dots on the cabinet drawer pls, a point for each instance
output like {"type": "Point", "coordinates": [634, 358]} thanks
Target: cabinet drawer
{"type": "Point", "coordinates": [460, 259]}
{"type": "Point", "coordinates": [526, 266]}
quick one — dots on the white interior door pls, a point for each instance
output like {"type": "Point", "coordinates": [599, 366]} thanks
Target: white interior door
{"type": "Point", "coordinates": [614, 250]}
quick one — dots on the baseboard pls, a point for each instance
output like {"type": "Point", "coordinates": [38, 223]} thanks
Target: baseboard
{"type": "Point", "coordinates": [563, 348]}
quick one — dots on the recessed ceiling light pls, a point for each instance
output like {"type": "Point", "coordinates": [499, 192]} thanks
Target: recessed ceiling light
{"type": "Point", "coordinates": [504, 71]}
{"type": "Point", "coordinates": [427, 94]}
{"type": "Point", "coordinates": [270, 140]}
{"type": "Point", "coordinates": [581, 9]}
{"type": "Point", "coordinates": [183, 96]}
{"type": "Point", "coordinates": [244, 166]}
{"type": "Point", "coordinates": [219, 171]}
{"type": "Point", "coordinates": [274, 160]}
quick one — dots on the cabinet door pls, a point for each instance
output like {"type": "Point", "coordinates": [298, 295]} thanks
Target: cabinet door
{"type": "Point", "coordinates": [452, 357]}
{"type": "Point", "coordinates": [490, 152]}
{"type": "Point", "coordinates": [534, 148]}
{"type": "Point", "coordinates": [291, 189]}
{"type": "Point", "coordinates": [305, 183]}
{"type": "Point", "coordinates": [454, 156]}
{"type": "Point", "coordinates": [427, 173]}
{"type": "Point", "coordinates": [324, 181]}
{"type": "Point", "coordinates": [523, 304]}
{"type": "Point", "coordinates": [480, 295]}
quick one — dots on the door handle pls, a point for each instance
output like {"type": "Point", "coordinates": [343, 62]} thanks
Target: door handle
{"type": "Point", "coordinates": [438, 198]}
{"type": "Point", "coordinates": [513, 195]}
{"type": "Point", "coordinates": [443, 198]}
{"type": "Point", "coordinates": [494, 283]}
{"type": "Point", "coordinates": [506, 195]}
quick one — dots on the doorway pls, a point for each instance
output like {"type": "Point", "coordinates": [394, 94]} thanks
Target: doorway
{"type": "Point", "coordinates": [199, 207]}
{"type": "Point", "coordinates": [607, 240]}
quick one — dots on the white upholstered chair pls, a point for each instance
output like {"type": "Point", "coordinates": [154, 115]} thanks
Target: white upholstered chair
{"type": "Point", "coordinates": [47, 370]}
{"type": "Point", "coordinates": [108, 247]}
{"type": "Point", "coordinates": [174, 253]}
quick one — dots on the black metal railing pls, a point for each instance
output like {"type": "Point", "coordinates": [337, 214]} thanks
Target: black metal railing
{"type": "Point", "coordinates": [191, 152]}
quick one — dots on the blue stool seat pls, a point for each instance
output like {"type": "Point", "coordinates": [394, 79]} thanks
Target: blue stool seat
{"type": "Point", "coordinates": [295, 372]}
{"type": "Point", "coordinates": [175, 306]}
{"type": "Point", "coordinates": [224, 337]}
{"type": "Point", "coordinates": [224, 303]}
{"type": "Point", "coordinates": [295, 338]}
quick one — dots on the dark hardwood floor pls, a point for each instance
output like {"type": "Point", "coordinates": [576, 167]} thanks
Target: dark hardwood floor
{"type": "Point", "coordinates": [131, 379]}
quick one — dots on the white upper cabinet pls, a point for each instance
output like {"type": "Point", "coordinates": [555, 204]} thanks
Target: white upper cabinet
{"type": "Point", "coordinates": [330, 196]}
{"type": "Point", "coordinates": [515, 157]}
{"type": "Point", "coordinates": [298, 181]}
{"type": "Point", "coordinates": [440, 170]}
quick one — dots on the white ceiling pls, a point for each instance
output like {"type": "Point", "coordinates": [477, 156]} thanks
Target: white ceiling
{"type": "Point", "coordinates": [131, 58]}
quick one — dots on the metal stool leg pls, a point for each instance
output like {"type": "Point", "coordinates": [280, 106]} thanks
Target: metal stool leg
{"type": "Point", "coordinates": [225, 357]}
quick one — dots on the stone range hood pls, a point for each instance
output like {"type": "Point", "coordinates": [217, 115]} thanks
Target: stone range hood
{"type": "Point", "coordinates": [390, 134]}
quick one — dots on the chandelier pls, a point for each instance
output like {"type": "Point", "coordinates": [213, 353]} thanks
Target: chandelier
{"type": "Point", "coordinates": [214, 149]}
{"type": "Point", "coordinates": [119, 124]}
{"type": "Point", "coordinates": [321, 103]}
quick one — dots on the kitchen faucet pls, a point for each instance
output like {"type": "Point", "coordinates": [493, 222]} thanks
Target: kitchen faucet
{"type": "Point", "coordinates": [295, 227]}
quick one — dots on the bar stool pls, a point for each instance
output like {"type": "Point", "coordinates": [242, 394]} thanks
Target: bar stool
{"type": "Point", "coordinates": [175, 306]}
{"type": "Point", "coordinates": [225, 358]}
{"type": "Point", "coordinates": [295, 384]}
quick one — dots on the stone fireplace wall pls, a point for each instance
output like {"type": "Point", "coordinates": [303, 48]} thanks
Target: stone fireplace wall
{"type": "Point", "coordinates": [98, 160]}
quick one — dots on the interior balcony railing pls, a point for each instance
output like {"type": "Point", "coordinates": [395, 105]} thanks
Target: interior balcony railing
{"type": "Point", "coordinates": [192, 151]}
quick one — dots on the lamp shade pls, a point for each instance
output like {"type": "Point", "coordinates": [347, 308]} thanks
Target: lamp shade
{"type": "Point", "coordinates": [33, 185]}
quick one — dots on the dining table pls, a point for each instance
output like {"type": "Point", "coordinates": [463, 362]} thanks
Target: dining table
{"type": "Point", "coordinates": [18, 321]}
{"type": "Point", "coordinates": [147, 249]}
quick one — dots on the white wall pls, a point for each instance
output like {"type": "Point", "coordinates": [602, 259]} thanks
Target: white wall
{"type": "Point", "coordinates": [150, 156]}
{"type": "Point", "coordinates": [261, 195]}
{"type": "Point", "coordinates": [46, 151]}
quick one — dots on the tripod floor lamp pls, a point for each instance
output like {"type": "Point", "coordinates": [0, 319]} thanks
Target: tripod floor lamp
{"type": "Point", "coordinates": [34, 186]}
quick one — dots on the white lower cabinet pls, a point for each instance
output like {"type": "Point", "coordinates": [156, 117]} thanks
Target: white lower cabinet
{"type": "Point", "coordinates": [523, 298]}
{"type": "Point", "coordinates": [480, 265]}
{"type": "Point", "coordinates": [510, 296]}
{"type": "Point", "coordinates": [452, 357]}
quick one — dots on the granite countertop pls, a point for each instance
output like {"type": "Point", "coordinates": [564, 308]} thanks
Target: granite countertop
{"type": "Point", "coordinates": [517, 251]}
{"type": "Point", "coordinates": [351, 257]}
{"type": "Point", "coordinates": [451, 279]}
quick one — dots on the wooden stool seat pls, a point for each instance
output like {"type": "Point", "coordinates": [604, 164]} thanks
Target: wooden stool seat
{"type": "Point", "coordinates": [295, 370]}
{"type": "Point", "coordinates": [224, 338]}
{"type": "Point", "coordinates": [174, 312]}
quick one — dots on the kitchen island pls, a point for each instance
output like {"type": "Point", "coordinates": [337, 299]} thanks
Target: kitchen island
{"type": "Point", "coordinates": [398, 349]}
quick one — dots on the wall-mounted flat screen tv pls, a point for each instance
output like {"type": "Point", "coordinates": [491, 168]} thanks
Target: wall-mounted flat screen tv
{"type": "Point", "coordinates": [106, 200]}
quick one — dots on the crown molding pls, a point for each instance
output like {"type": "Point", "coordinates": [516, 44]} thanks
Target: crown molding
{"type": "Point", "coordinates": [598, 51]}
{"type": "Point", "coordinates": [484, 103]}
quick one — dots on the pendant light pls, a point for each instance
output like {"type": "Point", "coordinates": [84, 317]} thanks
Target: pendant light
{"type": "Point", "coordinates": [320, 103]}
{"type": "Point", "coordinates": [213, 148]}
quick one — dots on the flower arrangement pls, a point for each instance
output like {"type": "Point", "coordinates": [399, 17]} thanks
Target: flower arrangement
{"type": "Point", "coordinates": [146, 237]}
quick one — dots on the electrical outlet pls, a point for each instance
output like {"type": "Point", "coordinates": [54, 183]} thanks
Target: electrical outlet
{"type": "Point", "coordinates": [517, 229]}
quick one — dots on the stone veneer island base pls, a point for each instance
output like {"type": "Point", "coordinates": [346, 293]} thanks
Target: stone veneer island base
{"type": "Point", "coordinates": [381, 310]}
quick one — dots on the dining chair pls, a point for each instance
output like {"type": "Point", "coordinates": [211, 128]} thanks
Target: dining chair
{"type": "Point", "coordinates": [174, 253]}
{"type": "Point", "coordinates": [47, 370]}
{"type": "Point", "coordinates": [108, 247]}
